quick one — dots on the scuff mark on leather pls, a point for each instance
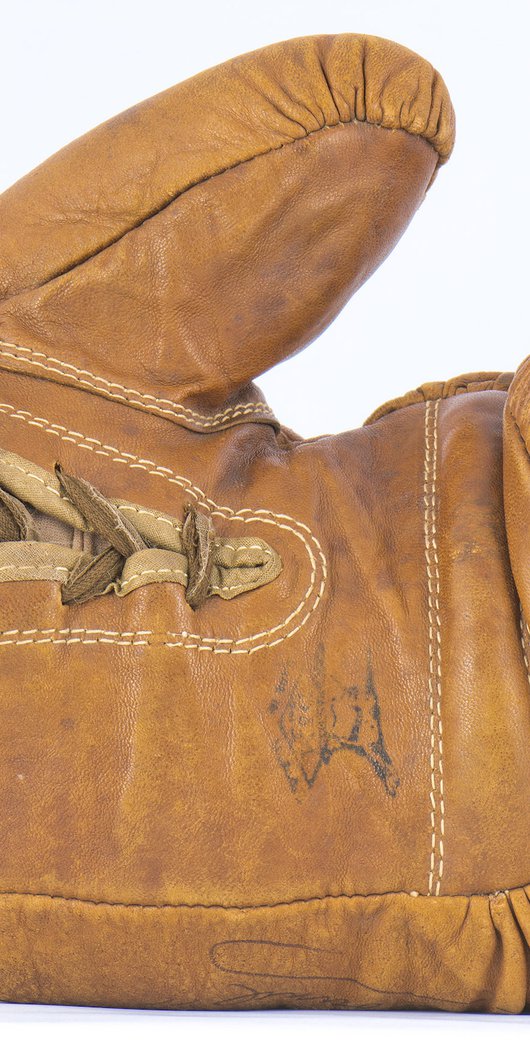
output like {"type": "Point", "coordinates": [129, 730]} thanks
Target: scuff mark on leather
{"type": "Point", "coordinates": [313, 728]}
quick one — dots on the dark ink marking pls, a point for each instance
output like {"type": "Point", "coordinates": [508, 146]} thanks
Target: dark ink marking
{"type": "Point", "coordinates": [314, 728]}
{"type": "Point", "coordinates": [249, 997]}
{"type": "Point", "coordinates": [260, 951]}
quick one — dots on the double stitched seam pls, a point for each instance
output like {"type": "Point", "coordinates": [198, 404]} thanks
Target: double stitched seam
{"type": "Point", "coordinates": [183, 638]}
{"type": "Point", "coordinates": [437, 812]}
{"type": "Point", "coordinates": [148, 402]}
{"type": "Point", "coordinates": [73, 636]}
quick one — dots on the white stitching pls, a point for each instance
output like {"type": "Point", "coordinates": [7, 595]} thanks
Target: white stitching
{"type": "Point", "coordinates": [158, 570]}
{"type": "Point", "coordinates": [148, 402]}
{"type": "Point", "coordinates": [435, 647]}
{"type": "Point", "coordinates": [245, 515]}
{"type": "Point", "coordinates": [122, 507]}
{"type": "Point", "coordinates": [202, 500]}
{"type": "Point", "coordinates": [29, 474]}
{"type": "Point", "coordinates": [75, 640]}
{"type": "Point", "coordinates": [143, 511]}
{"type": "Point", "coordinates": [244, 548]}
{"type": "Point", "coordinates": [276, 629]}
{"type": "Point", "coordinates": [112, 637]}
{"type": "Point", "coordinates": [81, 629]}
{"type": "Point", "coordinates": [178, 526]}
{"type": "Point", "coordinates": [66, 636]}
{"type": "Point", "coordinates": [130, 390]}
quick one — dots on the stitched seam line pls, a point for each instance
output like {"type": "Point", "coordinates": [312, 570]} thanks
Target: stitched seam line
{"type": "Point", "coordinates": [418, 398]}
{"type": "Point", "coordinates": [394, 126]}
{"type": "Point", "coordinates": [195, 418]}
{"type": "Point", "coordinates": [69, 629]}
{"type": "Point", "coordinates": [130, 390]}
{"type": "Point", "coordinates": [143, 511]}
{"type": "Point", "coordinates": [76, 640]}
{"type": "Point", "coordinates": [435, 651]}
{"type": "Point", "coordinates": [90, 636]}
{"type": "Point", "coordinates": [157, 570]}
{"type": "Point", "coordinates": [148, 402]}
{"type": "Point", "coordinates": [414, 896]}
{"type": "Point", "coordinates": [525, 632]}
{"type": "Point", "coordinates": [218, 645]}
{"type": "Point", "coordinates": [31, 474]}
{"type": "Point", "coordinates": [245, 548]}
{"type": "Point", "coordinates": [121, 507]}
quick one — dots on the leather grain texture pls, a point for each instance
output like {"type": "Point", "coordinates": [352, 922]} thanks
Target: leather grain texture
{"type": "Point", "coordinates": [315, 794]}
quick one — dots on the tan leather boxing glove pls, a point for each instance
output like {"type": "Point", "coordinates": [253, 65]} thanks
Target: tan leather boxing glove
{"type": "Point", "coordinates": [265, 700]}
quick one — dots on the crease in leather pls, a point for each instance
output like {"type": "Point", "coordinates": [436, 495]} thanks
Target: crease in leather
{"type": "Point", "coordinates": [166, 205]}
{"type": "Point", "coordinates": [360, 115]}
{"type": "Point", "coordinates": [468, 382]}
{"type": "Point", "coordinates": [283, 956]}
{"type": "Point", "coordinates": [184, 415]}
{"type": "Point", "coordinates": [410, 99]}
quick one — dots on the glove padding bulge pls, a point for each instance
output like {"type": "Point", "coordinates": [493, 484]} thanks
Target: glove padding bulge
{"type": "Point", "coordinates": [184, 247]}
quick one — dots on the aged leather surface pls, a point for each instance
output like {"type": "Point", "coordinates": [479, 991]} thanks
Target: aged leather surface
{"type": "Point", "coordinates": [315, 793]}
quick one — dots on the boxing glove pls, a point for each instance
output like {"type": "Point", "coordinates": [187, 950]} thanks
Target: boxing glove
{"type": "Point", "coordinates": [265, 699]}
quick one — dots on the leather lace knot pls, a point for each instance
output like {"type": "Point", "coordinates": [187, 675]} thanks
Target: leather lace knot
{"type": "Point", "coordinates": [198, 536]}
{"type": "Point", "coordinates": [93, 575]}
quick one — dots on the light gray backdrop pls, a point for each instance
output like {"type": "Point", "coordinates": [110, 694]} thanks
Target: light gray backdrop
{"type": "Point", "coordinates": [452, 296]}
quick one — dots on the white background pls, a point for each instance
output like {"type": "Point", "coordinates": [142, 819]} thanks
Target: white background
{"type": "Point", "coordinates": [452, 298]}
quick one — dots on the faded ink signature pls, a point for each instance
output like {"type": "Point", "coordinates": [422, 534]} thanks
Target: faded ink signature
{"type": "Point", "coordinates": [312, 728]}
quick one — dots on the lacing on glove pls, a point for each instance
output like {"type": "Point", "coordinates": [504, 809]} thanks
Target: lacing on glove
{"type": "Point", "coordinates": [92, 575]}
{"type": "Point", "coordinates": [116, 555]}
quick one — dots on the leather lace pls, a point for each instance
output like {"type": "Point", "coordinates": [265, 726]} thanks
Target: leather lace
{"type": "Point", "coordinates": [94, 575]}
